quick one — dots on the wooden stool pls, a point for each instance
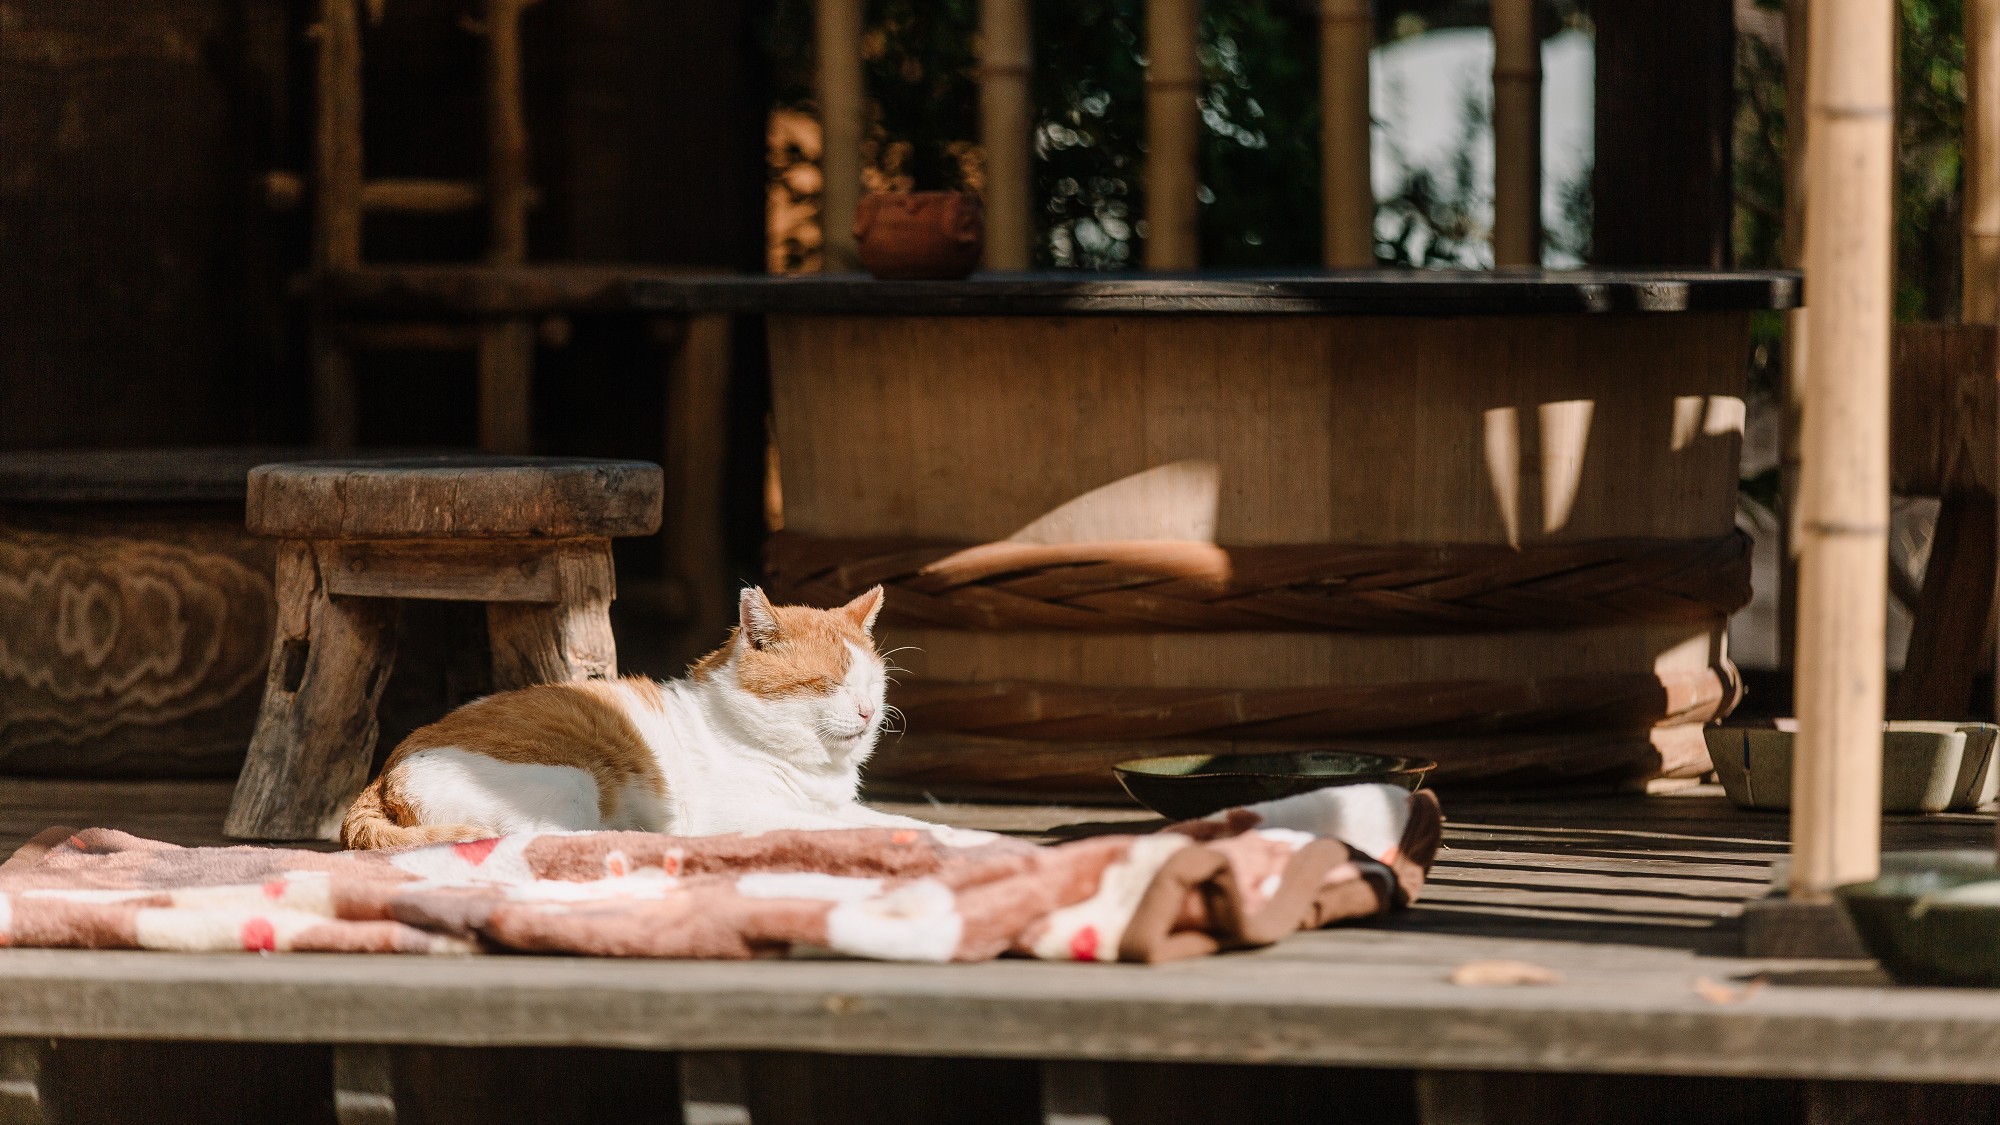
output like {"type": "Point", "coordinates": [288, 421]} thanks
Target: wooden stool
{"type": "Point", "coordinates": [529, 536]}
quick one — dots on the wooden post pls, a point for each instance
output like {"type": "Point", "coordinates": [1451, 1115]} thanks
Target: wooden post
{"type": "Point", "coordinates": [1347, 187]}
{"type": "Point", "coordinates": [337, 172]}
{"type": "Point", "coordinates": [506, 348]}
{"type": "Point", "coordinates": [1517, 135]}
{"type": "Point", "coordinates": [337, 159]}
{"type": "Point", "coordinates": [837, 30]}
{"type": "Point", "coordinates": [1844, 485]}
{"type": "Point", "coordinates": [697, 427]}
{"type": "Point", "coordinates": [1173, 134]}
{"type": "Point", "coordinates": [1006, 128]}
{"type": "Point", "coordinates": [506, 136]}
{"type": "Point", "coordinates": [506, 386]}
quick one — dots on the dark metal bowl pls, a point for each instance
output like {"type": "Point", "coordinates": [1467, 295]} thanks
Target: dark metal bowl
{"type": "Point", "coordinates": [1190, 785]}
{"type": "Point", "coordinates": [1932, 917]}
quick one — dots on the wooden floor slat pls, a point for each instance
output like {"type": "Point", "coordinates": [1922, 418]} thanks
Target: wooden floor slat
{"type": "Point", "coordinates": [1633, 900]}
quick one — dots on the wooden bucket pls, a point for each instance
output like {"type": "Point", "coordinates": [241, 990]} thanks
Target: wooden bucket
{"type": "Point", "coordinates": [1504, 542]}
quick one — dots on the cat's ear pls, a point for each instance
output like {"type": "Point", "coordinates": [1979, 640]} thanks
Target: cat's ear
{"type": "Point", "coordinates": [758, 622]}
{"type": "Point", "coordinates": [863, 609]}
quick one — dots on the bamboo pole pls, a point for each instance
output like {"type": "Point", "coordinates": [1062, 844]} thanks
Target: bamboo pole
{"type": "Point", "coordinates": [837, 32]}
{"type": "Point", "coordinates": [1844, 485]}
{"type": "Point", "coordinates": [1347, 188]}
{"type": "Point", "coordinates": [1173, 126]}
{"type": "Point", "coordinates": [1517, 135]}
{"type": "Point", "coordinates": [1006, 132]}
{"type": "Point", "coordinates": [1797, 19]}
{"type": "Point", "coordinates": [1981, 252]}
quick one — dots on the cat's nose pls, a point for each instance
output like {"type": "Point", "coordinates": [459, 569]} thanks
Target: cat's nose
{"type": "Point", "coordinates": [866, 712]}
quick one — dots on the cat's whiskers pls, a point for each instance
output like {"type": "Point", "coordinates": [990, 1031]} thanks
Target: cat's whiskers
{"type": "Point", "coordinates": [892, 719]}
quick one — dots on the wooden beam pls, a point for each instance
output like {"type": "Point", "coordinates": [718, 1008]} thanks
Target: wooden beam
{"type": "Point", "coordinates": [842, 101]}
{"type": "Point", "coordinates": [1347, 187]}
{"type": "Point", "coordinates": [1517, 135]}
{"type": "Point", "coordinates": [461, 570]}
{"type": "Point", "coordinates": [1006, 124]}
{"type": "Point", "coordinates": [1844, 487]}
{"type": "Point", "coordinates": [422, 197]}
{"type": "Point", "coordinates": [1173, 134]}
{"type": "Point", "coordinates": [474, 290]}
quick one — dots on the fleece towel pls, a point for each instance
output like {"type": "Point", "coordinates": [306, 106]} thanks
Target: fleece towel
{"type": "Point", "coordinates": [1244, 877]}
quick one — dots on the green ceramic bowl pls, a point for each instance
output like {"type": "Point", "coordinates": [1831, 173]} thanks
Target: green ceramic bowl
{"type": "Point", "coordinates": [1926, 767]}
{"type": "Point", "coordinates": [1933, 917]}
{"type": "Point", "coordinates": [1191, 785]}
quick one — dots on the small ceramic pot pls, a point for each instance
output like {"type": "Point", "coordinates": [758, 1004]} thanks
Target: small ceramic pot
{"type": "Point", "coordinates": [1185, 786]}
{"type": "Point", "coordinates": [1926, 766]}
{"type": "Point", "coordinates": [927, 235]}
{"type": "Point", "coordinates": [1931, 916]}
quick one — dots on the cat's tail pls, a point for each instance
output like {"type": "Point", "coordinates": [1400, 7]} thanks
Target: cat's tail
{"type": "Point", "coordinates": [369, 824]}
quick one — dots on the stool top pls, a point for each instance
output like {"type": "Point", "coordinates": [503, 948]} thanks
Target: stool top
{"type": "Point", "coordinates": [467, 496]}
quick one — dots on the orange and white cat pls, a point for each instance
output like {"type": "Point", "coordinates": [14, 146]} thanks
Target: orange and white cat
{"type": "Point", "coordinates": [767, 732]}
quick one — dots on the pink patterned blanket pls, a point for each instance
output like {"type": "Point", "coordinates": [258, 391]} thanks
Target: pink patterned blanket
{"type": "Point", "coordinates": [1241, 878]}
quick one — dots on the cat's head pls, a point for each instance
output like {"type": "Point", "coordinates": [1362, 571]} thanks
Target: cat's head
{"type": "Point", "coordinates": [808, 668]}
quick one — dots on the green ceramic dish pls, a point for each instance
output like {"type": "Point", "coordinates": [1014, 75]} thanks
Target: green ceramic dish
{"type": "Point", "coordinates": [1926, 767]}
{"type": "Point", "coordinates": [1933, 917]}
{"type": "Point", "coordinates": [1191, 785]}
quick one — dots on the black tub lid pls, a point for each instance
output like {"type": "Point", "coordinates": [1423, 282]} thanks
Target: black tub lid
{"type": "Point", "coordinates": [1321, 292]}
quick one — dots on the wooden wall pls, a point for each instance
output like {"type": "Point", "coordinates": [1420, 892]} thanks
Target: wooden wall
{"type": "Point", "coordinates": [143, 281]}
{"type": "Point", "coordinates": [127, 134]}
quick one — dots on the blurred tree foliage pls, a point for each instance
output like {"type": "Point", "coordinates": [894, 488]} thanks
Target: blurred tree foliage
{"type": "Point", "coordinates": [1930, 118]}
{"type": "Point", "coordinates": [1260, 108]}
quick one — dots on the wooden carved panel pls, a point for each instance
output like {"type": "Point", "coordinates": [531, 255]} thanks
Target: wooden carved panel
{"type": "Point", "coordinates": [127, 655]}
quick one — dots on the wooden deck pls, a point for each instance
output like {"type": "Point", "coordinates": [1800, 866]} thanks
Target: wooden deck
{"type": "Point", "coordinates": [1633, 900]}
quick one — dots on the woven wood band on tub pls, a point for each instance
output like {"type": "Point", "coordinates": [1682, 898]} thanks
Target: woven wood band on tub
{"type": "Point", "coordinates": [1167, 585]}
{"type": "Point", "coordinates": [1074, 713]}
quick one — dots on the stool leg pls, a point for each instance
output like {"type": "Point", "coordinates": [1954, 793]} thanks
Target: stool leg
{"type": "Point", "coordinates": [316, 730]}
{"type": "Point", "coordinates": [536, 643]}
